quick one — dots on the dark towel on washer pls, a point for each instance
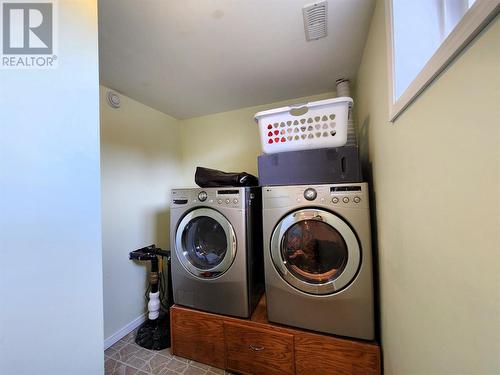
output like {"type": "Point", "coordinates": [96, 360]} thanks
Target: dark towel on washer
{"type": "Point", "coordinates": [206, 177]}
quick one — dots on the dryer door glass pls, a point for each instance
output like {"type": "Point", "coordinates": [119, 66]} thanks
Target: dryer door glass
{"type": "Point", "coordinates": [204, 242]}
{"type": "Point", "coordinates": [314, 252]}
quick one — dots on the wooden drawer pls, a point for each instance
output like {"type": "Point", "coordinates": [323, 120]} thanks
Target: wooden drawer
{"type": "Point", "coordinates": [261, 348]}
{"type": "Point", "coordinates": [258, 351]}
{"type": "Point", "coordinates": [320, 355]}
{"type": "Point", "coordinates": [198, 336]}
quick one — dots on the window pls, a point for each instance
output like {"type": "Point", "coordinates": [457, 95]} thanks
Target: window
{"type": "Point", "coordinates": [424, 36]}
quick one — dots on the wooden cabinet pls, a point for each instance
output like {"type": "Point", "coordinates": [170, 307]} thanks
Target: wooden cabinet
{"type": "Point", "coordinates": [324, 355]}
{"type": "Point", "coordinates": [258, 351]}
{"type": "Point", "coordinates": [198, 336]}
{"type": "Point", "coordinates": [255, 346]}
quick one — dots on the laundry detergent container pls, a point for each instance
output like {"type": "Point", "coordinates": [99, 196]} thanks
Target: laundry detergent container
{"type": "Point", "coordinates": [319, 124]}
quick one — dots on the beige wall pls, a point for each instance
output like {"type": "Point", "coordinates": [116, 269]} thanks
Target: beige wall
{"type": "Point", "coordinates": [436, 183]}
{"type": "Point", "coordinates": [140, 161]}
{"type": "Point", "coordinates": [228, 141]}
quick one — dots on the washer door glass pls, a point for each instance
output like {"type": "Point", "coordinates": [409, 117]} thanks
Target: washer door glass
{"type": "Point", "coordinates": [314, 252]}
{"type": "Point", "coordinates": [204, 242]}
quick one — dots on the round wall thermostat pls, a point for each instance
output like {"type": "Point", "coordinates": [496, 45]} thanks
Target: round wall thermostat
{"type": "Point", "coordinates": [113, 99]}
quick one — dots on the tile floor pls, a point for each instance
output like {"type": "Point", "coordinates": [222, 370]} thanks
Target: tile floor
{"type": "Point", "coordinates": [127, 358]}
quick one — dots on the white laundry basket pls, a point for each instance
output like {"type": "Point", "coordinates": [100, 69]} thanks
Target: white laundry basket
{"type": "Point", "coordinates": [304, 126]}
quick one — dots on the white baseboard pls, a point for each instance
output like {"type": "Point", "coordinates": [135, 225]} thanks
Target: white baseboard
{"type": "Point", "coordinates": [124, 330]}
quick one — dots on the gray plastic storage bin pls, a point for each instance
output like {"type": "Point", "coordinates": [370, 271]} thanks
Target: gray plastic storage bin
{"type": "Point", "coordinates": [320, 166]}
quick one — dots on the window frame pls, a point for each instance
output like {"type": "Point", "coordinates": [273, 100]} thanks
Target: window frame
{"type": "Point", "coordinates": [474, 20]}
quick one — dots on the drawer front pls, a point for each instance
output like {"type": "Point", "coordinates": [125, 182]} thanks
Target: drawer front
{"type": "Point", "coordinates": [258, 351]}
{"type": "Point", "coordinates": [320, 355]}
{"type": "Point", "coordinates": [197, 336]}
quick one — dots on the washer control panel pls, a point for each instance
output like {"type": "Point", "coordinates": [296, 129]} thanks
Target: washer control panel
{"type": "Point", "coordinates": [210, 197]}
{"type": "Point", "coordinates": [338, 195]}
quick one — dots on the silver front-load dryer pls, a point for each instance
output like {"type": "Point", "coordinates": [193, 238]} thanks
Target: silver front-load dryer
{"type": "Point", "coordinates": [216, 242]}
{"type": "Point", "coordinates": [318, 258]}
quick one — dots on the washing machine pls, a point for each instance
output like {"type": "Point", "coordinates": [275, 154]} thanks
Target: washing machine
{"type": "Point", "coordinates": [318, 258]}
{"type": "Point", "coordinates": [217, 258]}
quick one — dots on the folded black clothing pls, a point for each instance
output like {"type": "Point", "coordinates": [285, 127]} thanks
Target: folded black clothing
{"type": "Point", "coordinates": [206, 177]}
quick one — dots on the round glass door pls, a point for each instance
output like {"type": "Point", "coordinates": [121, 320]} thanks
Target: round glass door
{"type": "Point", "coordinates": [205, 243]}
{"type": "Point", "coordinates": [315, 251]}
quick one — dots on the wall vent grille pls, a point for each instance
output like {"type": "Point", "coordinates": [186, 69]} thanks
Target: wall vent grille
{"type": "Point", "coordinates": [315, 20]}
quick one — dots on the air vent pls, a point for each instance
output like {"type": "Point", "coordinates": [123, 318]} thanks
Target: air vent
{"type": "Point", "coordinates": [315, 16]}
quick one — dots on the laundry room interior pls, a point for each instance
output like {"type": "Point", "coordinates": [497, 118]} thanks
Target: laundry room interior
{"type": "Point", "coordinates": [270, 187]}
{"type": "Point", "coordinates": [422, 169]}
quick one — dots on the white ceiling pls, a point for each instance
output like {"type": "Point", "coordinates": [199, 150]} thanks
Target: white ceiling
{"type": "Point", "coordinates": [189, 58]}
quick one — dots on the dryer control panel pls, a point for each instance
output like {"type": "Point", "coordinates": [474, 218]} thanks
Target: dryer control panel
{"type": "Point", "coordinates": [338, 195]}
{"type": "Point", "coordinates": [211, 197]}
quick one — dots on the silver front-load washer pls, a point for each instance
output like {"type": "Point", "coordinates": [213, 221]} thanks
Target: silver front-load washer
{"type": "Point", "coordinates": [216, 238]}
{"type": "Point", "coordinates": [318, 258]}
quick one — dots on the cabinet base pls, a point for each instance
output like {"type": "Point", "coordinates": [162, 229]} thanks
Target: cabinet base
{"type": "Point", "coordinates": [256, 346]}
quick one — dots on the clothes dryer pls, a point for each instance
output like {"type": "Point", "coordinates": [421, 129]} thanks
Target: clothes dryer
{"type": "Point", "coordinates": [318, 258]}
